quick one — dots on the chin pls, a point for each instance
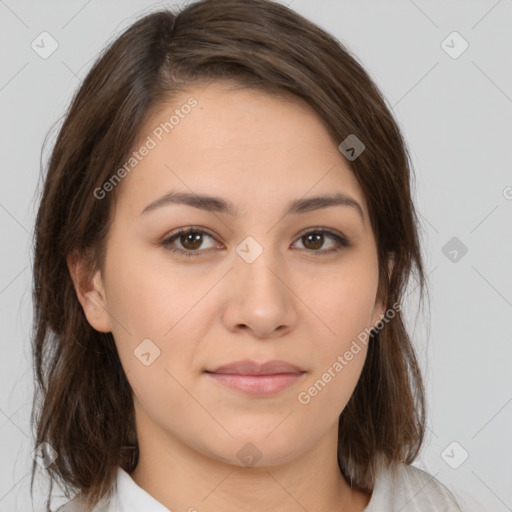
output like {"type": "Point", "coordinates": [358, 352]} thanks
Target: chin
{"type": "Point", "coordinates": [258, 449]}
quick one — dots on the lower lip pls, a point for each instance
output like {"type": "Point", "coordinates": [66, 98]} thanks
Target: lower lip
{"type": "Point", "coordinates": [257, 384]}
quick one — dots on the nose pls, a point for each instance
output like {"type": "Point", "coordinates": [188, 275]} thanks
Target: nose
{"type": "Point", "coordinates": [261, 299]}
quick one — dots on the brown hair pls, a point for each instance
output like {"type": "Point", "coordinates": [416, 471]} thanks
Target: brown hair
{"type": "Point", "coordinates": [83, 405]}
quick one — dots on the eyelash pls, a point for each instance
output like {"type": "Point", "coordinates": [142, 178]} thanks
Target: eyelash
{"type": "Point", "coordinates": [343, 242]}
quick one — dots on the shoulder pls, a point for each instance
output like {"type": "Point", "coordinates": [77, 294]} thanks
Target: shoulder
{"type": "Point", "coordinates": [71, 506]}
{"type": "Point", "coordinates": [409, 489]}
{"type": "Point", "coordinates": [76, 505]}
{"type": "Point", "coordinates": [108, 502]}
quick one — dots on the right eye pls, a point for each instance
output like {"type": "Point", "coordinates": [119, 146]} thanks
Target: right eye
{"type": "Point", "coordinates": [191, 239]}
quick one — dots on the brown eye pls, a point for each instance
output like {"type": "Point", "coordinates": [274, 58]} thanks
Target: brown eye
{"type": "Point", "coordinates": [191, 241]}
{"type": "Point", "coordinates": [315, 240]}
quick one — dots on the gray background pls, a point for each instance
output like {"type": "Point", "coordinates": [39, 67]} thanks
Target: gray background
{"type": "Point", "coordinates": [456, 115]}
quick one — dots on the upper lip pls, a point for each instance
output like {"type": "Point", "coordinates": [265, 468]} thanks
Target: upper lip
{"type": "Point", "coordinates": [248, 367]}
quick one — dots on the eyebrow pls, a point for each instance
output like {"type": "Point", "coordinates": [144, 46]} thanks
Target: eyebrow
{"type": "Point", "coordinates": [220, 205]}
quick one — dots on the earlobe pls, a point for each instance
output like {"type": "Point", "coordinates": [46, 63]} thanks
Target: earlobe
{"type": "Point", "coordinates": [90, 292]}
{"type": "Point", "coordinates": [391, 264]}
{"type": "Point", "coordinates": [380, 304]}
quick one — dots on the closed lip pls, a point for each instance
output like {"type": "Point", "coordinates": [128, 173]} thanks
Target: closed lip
{"type": "Point", "coordinates": [249, 367]}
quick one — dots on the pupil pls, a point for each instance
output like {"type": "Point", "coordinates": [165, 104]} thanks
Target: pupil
{"type": "Point", "coordinates": [192, 240]}
{"type": "Point", "coordinates": [318, 243]}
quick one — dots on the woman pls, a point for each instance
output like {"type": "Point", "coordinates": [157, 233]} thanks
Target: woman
{"type": "Point", "coordinates": [222, 245]}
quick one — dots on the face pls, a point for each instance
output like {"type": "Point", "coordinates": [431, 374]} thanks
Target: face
{"type": "Point", "coordinates": [254, 279]}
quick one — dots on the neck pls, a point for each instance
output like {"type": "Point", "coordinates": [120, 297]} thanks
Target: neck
{"type": "Point", "coordinates": [181, 478]}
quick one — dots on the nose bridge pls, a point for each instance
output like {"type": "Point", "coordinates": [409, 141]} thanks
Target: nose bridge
{"type": "Point", "coordinates": [262, 300]}
{"type": "Point", "coordinates": [256, 268]}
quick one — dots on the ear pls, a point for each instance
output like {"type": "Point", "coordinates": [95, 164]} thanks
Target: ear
{"type": "Point", "coordinates": [90, 291]}
{"type": "Point", "coordinates": [379, 309]}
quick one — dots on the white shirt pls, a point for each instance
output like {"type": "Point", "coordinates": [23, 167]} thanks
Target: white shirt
{"type": "Point", "coordinates": [407, 489]}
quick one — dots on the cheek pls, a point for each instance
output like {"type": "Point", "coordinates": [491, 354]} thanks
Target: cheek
{"type": "Point", "coordinates": [343, 304]}
{"type": "Point", "coordinates": [339, 357]}
{"type": "Point", "coordinates": [324, 397]}
{"type": "Point", "coordinates": [158, 397]}
{"type": "Point", "coordinates": [149, 300]}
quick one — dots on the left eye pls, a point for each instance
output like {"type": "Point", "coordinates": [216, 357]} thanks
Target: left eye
{"type": "Point", "coordinates": [317, 238]}
{"type": "Point", "coordinates": [191, 239]}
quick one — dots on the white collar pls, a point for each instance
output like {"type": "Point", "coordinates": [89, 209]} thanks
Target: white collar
{"type": "Point", "coordinates": [406, 485]}
{"type": "Point", "coordinates": [130, 497]}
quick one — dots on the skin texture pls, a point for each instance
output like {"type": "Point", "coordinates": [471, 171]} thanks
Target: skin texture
{"type": "Point", "coordinates": [294, 304]}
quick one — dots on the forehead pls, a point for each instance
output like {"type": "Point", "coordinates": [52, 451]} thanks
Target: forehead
{"type": "Point", "coordinates": [244, 144]}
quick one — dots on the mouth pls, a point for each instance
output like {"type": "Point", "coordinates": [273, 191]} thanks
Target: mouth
{"type": "Point", "coordinates": [255, 378]}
